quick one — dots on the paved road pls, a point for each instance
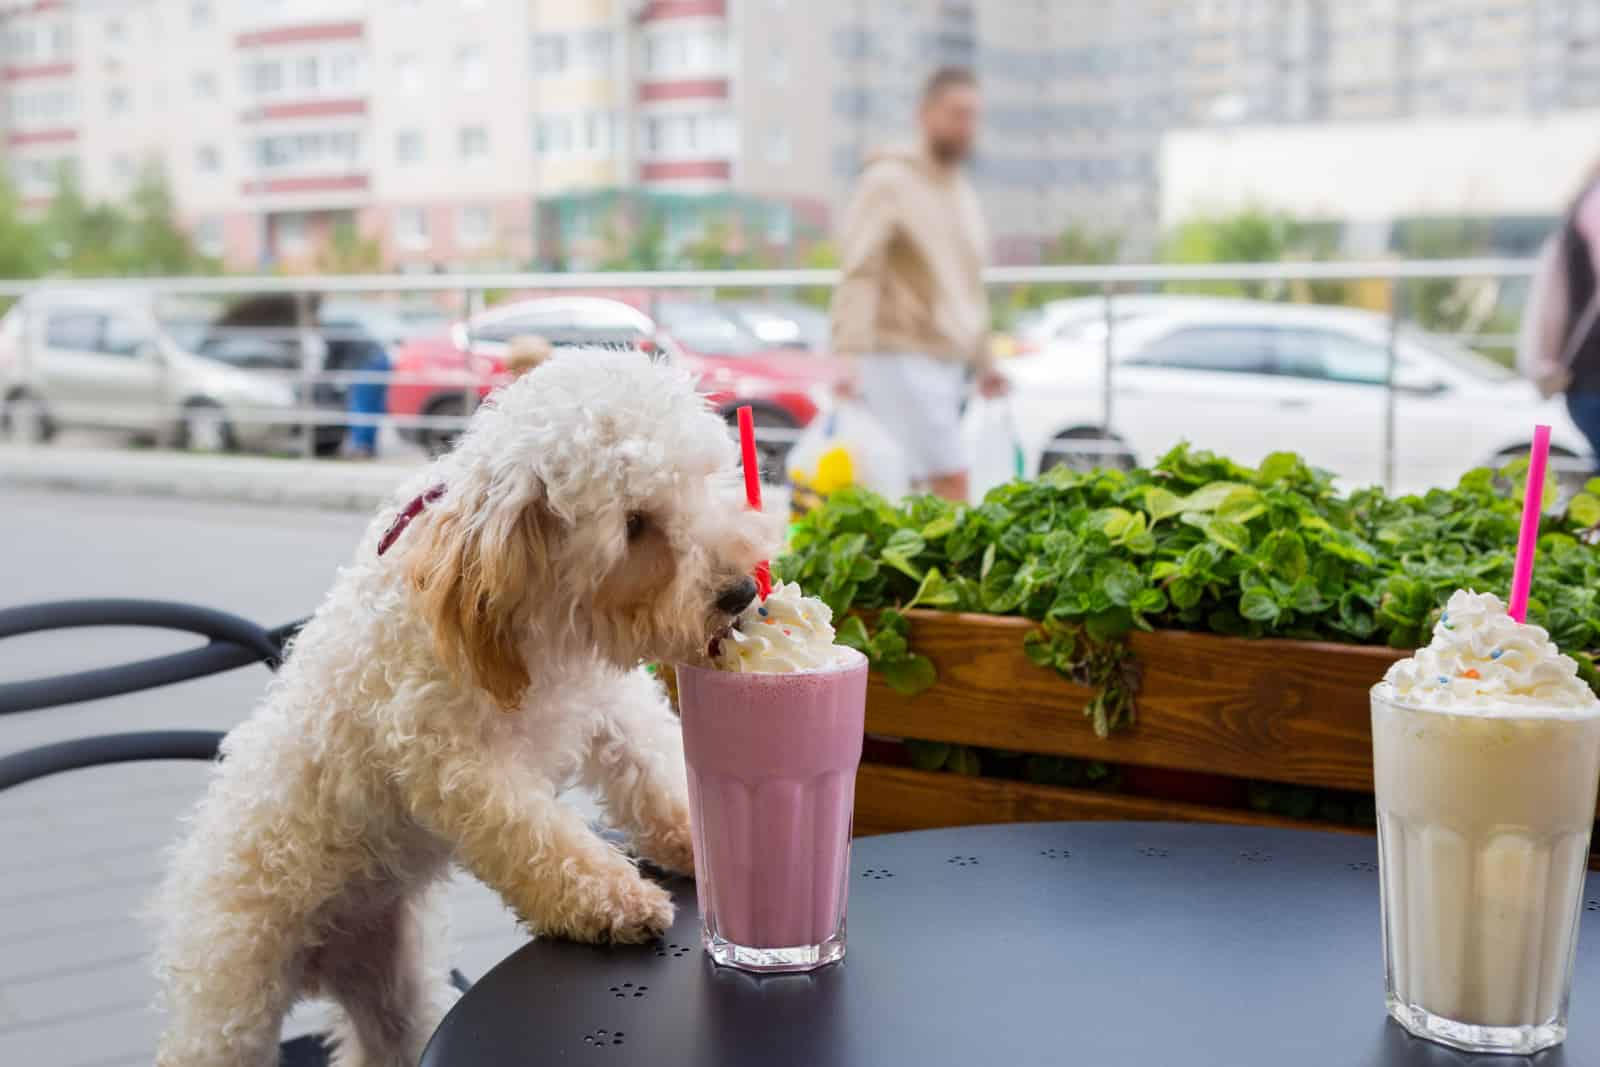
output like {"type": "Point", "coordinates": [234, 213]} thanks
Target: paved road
{"type": "Point", "coordinates": [79, 854]}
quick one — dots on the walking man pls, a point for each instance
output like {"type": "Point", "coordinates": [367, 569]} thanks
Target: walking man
{"type": "Point", "coordinates": [911, 314]}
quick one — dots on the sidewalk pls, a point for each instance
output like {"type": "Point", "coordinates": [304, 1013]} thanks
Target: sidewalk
{"type": "Point", "coordinates": [325, 484]}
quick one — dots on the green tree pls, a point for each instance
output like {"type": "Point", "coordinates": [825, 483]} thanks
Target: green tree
{"type": "Point", "coordinates": [823, 255]}
{"type": "Point", "coordinates": [21, 254]}
{"type": "Point", "coordinates": [1253, 235]}
{"type": "Point", "coordinates": [157, 243]}
{"type": "Point", "coordinates": [349, 251]}
{"type": "Point", "coordinates": [1451, 305]}
{"type": "Point", "coordinates": [641, 247]}
{"type": "Point", "coordinates": [1076, 245]}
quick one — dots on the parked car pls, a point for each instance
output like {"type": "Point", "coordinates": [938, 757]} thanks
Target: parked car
{"type": "Point", "coordinates": [782, 323]}
{"type": "Point", "coordinates": [263, 334]}
{"type": "Point", "coordinates": [1245, 378]}
{"type": "Point", "coordinates": [106, 359]}
{"type": "Point", "coordinates": [733, 368]}
{"type": "Point", "coordinates": [1082, 319]}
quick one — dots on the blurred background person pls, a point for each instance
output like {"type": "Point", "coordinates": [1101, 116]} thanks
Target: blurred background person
{"type": "Point", "coordinates": [526, 352]}
{"type": "Point", "coordinates": [1559, 345]}
{"type": "Point", "coordinates": [911, 314]}
{"type": "Point", "coordinates": [369, 398]}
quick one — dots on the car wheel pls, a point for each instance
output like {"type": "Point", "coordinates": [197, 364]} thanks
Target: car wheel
{"type": "Point", "coordinates": [204, 428]}
{"type": "Point", "coordinates": [440, 439]}
{"type": "Point", "coordinates": [1570, 476]}
{"type": "Point", "coordinates": [24, 420]}
{"type": "Point", "coordinates": [773, 455]}
{"type": "Point", "coordinates": [1086, 449]}
{"type": "Point", "coordinates": [327, 440]}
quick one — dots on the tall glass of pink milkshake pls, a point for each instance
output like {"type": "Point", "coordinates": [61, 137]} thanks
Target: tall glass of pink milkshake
{"type": "Point", "coordinates": [772, 735]}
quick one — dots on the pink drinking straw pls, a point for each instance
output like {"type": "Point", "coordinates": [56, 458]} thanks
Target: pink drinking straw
{"type": "Point", "coordinates": [1528, 539]}
{"type": "Point", "coordinates": [752, 487]}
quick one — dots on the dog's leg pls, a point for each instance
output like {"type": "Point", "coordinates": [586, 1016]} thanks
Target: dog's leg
{"type": "Point", "coordinates": [636, 765]}
{"type": "Point", "coordinates": [512, 832]}
{"type": "Point", "coordinates": [231, 976]}
{"type": "Point", "coordinates": [389, 979]}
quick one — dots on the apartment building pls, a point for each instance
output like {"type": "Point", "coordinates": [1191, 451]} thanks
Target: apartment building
{"type": "Point", "coordinates": [464, 133]}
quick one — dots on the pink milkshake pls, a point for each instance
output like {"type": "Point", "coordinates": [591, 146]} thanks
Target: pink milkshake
{"type": "Point", "coordinates": [772, 737]}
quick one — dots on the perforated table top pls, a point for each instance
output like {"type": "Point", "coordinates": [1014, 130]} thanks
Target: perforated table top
{"type": "Point", "coordinates": [1100, 944]}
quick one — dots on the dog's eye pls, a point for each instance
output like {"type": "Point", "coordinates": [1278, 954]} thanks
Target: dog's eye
{"type": "Point", "coordinates": [637, 523]}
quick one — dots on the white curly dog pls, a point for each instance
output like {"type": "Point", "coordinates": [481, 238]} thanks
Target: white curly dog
{"type": "Point", "coordinates": [476, 659]}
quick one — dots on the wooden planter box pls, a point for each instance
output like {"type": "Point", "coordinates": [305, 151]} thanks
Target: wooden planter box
{"type": "Point", "coordinates": [1285, 711]}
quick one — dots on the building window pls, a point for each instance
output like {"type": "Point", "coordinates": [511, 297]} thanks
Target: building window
{"type": "Point", "coordinates": [408, 73]}
{"type": "Point", "coordinates": [60, 40]}
{"type": "Point", "coordinates": [322, 150]}
{"type": "Point", "coordinates": [411, 228]}
{"type": "Point", "coordinates": [674, 52]}
{"type": "Point", "coordinates": [207, 159]}
{"type": "Point", "coordinates": [264, 78]}
{"type": "Point", "coordinates": [474, 226]}
{"type": "Point", "coordinates": [549, 55]}
{"type": "Point", "coordinates": [472, 143]}
{"type": "Point", "coordinates": [595, 49]}
{"type": "Point", "coordinates": [200, 13]}
{"type": "Point", "coordinates": [289, 232]}
{"type": "Point", "coordinates": [408, 147]}
{"type": "Point", "coordinates": [600, 134]}
{"type": "Point", "coordinates": [553, 135]}
{"type": "Point", "coordinates": [204, 85]}
{"type": "Point", "coordinates": [471, 68]}
{"type": "Point", "coordinates": [319, 73]}
{"type": "Point", "coordinates": [116, 30]}
{"type": "Point", "coordinates": [778, 146]}
{"type": "Point", "coordinates": [689, 135]}
{"type": "Point", "coordinates": [778, 64]}
{"type": "Point", "coordinates": [208, 237]}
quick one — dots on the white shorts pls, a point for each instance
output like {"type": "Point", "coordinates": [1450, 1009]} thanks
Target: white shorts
{"type": "Point", "coordinates": [918, 400]}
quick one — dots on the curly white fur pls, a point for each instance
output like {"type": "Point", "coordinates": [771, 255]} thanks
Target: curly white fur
{"type": "Point", "coordinates": [439, 701]}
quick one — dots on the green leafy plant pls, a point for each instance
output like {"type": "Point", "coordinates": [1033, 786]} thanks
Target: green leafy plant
{"type": "Point", "coordinates": [1194, 542]}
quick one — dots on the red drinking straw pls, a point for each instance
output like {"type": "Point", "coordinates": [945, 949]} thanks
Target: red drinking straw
{"type": "Point", "coordinates": [752, 487]}
{"type": "Point", "coordinates": [1528, 539]}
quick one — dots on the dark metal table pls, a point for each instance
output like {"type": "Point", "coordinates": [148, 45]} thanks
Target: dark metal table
{"type": "Point", "coordinates": [1104, 944]}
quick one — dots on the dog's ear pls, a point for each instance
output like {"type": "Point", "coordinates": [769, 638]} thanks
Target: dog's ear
{"type": "Point", "coordinates": [472, 572]}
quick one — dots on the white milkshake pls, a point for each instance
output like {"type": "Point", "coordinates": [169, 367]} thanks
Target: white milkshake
{"type": "Point", "coordinates": [1486, 753]}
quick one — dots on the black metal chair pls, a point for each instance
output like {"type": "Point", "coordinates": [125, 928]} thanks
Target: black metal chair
{"type": "Point", "coordinates": [233, 642]}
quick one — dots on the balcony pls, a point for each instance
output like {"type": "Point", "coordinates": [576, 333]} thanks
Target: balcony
{"type": "Point", "coordinates": [659, 10]}
{"type": "Point", "coordinates": [683, 89]}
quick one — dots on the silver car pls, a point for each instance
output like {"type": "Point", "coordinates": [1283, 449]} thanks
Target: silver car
{"type": "Point", "coordinates": [105, 359]}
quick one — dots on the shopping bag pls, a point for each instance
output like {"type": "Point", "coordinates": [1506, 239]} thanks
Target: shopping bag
{"type": "Point", "coordinates": [992, 447]}
{"type": "Point", "coordinates": [844, 446]}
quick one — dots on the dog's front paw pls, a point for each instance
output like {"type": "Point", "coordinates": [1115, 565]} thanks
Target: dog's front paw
{"type": "Point", "coordinates": [635, 910]}
{"type": "Point", "coordinates": [671, 849]}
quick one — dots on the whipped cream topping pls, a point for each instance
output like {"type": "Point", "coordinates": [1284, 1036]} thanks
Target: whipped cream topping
{"type": "Point", "coordinates": [1481, 661]}
{"type": "Point", "coordinates": [788, 631]}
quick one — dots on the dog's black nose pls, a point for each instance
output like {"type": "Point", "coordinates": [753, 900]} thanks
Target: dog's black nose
{"type": "Point", "coordinates": [736, 597]}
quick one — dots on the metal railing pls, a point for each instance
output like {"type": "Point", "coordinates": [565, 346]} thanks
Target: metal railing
{"type": "Point", "coordinates": [468, 294]}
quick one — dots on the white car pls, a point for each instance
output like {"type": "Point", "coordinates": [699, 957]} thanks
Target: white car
{"type": "Point", "coordinates": [1082, 319]}
{"type": "Point", "coordinates": [104, 359]}
{"type": "Point", "coordinates": [1246, 378]}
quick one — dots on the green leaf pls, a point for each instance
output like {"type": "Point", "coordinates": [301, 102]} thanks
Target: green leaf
{"type": "Point", "coordinates": [908, 677]}
{"type": "Point", "coordinates": [1584, 509]}
{"type": "Point", "coordinates": [927, 755]}
{"type": "Point", "coordinates": [1241, 505]}
{"type": "Point", "coordinates": [987, 564]}
{"type": "Point", "coordinates": [852, 632]}
{"type": "Point", "coordinates": [1121, 582]}
{"type": "Point", "coordinates": [1286, 555]}
{"type": "Point", "coordinates": [1210, 497]}
{"type": "Point", "coordinates": [1230, 535]}
{"type": "Point", "coordinates": [934, 592]}
{"type": "Point", "coordinates": [1115, 521]}
{"type": "Point", "coordinates": [939, 527]}
{"type": "Point", "coordinates": [1278, 467]}
{"type": "Point", "coordinates": [1258, 604]}
{"type": "Point", "coordinates": [964, 760]}
{"type": "Point", "coordinates": [1161, 503]}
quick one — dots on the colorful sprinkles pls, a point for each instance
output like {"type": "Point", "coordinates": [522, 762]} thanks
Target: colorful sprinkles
{"type": "Point", "coordinates": [762, 612]}
{"type": "Point", "coordinates": [1497, 653]}
{"type": "Point", "coordinates": [1471, 672]}
{"type": "Point", "coordinates": [1443, 680]}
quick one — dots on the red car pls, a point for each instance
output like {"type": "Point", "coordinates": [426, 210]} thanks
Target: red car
{"type": "Point", "coordinates": [733, 367]}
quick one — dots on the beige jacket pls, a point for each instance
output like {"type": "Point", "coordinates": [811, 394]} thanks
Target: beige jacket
{"type": "Point", "coordinates": [912, 253]}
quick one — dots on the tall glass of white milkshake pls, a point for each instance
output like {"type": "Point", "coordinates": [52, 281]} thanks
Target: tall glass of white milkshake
{"type": "Point", "coordinates": [1486, 753]}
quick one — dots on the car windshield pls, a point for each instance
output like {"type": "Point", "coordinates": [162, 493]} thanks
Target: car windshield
{"type": "Point", "coordinates": [1458, 355]}
{"type": "Point", "coordinates": [707, 330]}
